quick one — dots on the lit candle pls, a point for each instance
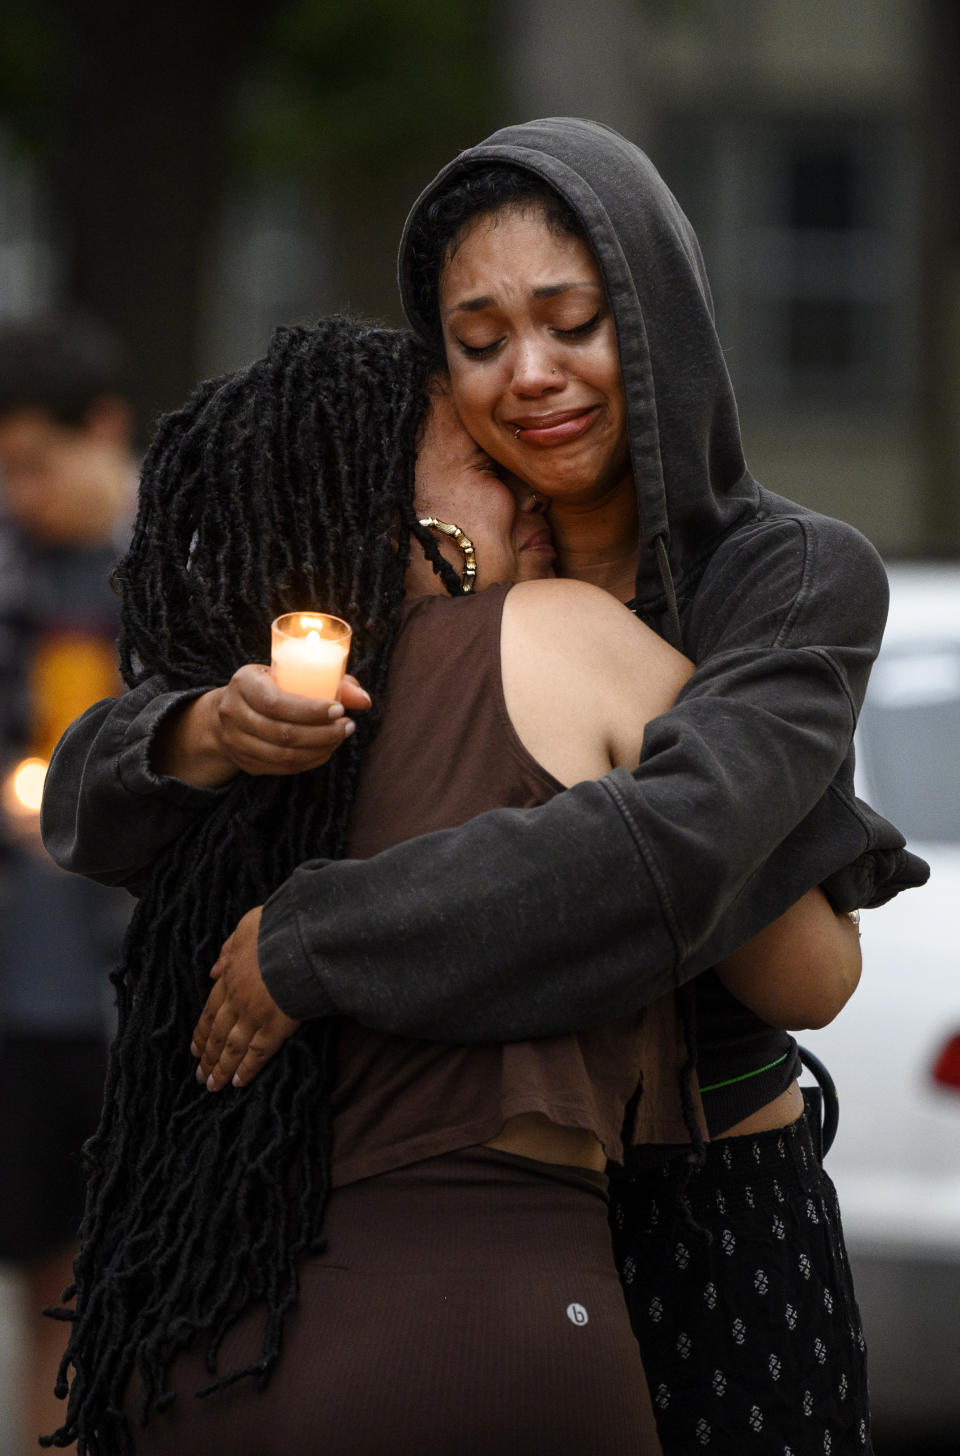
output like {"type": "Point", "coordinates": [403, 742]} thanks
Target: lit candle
{"type": "Point", "coordinates": [309, 653]}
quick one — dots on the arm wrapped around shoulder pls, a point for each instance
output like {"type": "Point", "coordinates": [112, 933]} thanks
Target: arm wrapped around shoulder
{"type": "Point", "coordinates": [599, 901]}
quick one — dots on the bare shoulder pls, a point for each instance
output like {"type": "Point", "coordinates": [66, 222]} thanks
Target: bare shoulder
{"type": "Point", "coordinates": [582, 676]}
{"type": "Point", "coordinates": [576, 619]}
{"type": "Point", "coordinates": [568, 607]}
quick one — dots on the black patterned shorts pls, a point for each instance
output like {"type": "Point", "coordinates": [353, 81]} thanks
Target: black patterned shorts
{"type": "Point", "coordinates": [751, 1341]}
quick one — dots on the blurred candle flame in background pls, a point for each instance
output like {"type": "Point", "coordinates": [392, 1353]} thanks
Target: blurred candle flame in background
{"type": "Point", "coordinates": [23, 789]}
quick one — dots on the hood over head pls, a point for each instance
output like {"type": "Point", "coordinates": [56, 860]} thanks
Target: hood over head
{"type": "Point", "coordinates": [682, 417]}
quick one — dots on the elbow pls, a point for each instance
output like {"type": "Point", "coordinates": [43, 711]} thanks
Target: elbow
{"type": "Point", "coordinates": [827, 1007]}
{"type": "Point", "coordinates": [819, 1021]}
{"type": "Point", "coordinates": [59, 843]}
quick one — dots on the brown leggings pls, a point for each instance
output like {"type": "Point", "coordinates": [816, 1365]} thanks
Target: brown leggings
{"type": "Point", "coordinates": [467, 1304]}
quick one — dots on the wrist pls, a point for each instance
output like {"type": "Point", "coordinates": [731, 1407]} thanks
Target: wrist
{"type": "Point", "coordinates": [188, 746]}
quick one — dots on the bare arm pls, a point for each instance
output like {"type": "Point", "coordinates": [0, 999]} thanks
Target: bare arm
{"type": "Point", "coordinates": [800, 971]}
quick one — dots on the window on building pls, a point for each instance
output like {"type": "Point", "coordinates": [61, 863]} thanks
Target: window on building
{"type": "Point", "coordinates": [809, 234]}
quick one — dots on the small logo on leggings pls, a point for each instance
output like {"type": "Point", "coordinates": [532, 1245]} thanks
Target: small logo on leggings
{"type": "Point", "coordinates": [576, 1314]}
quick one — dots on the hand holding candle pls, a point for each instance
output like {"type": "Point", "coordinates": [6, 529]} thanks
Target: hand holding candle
{"type": "Point", "coordinates": [309, 653]}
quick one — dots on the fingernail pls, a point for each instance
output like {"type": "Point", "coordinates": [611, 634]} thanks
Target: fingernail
{"type": "Point", "coordinates": [193, 1049]}
{"type": "Point", "coordinates": [236, 1081]}
{"type": "Point", "coordinates": [335, 710]}
{"type": "Point", "coordinates": [349, 728]}
{"type": "Point", "coordinates": [367, 696]}
{"type": "Point", "coordinates": [211, 1084]}
{"type": "Point", "coordinates": [200, 1077]}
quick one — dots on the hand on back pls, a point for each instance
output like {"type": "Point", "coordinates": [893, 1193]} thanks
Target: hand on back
{"type": "Point", "coordinates": [241, 1027]}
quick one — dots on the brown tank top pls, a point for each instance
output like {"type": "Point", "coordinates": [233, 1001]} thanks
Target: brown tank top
{"type": "Point", "coordinates": [445, 752]}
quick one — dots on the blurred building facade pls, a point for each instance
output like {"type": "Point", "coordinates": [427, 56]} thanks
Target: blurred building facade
{"type": "Point", "coordinates": [815, 147]}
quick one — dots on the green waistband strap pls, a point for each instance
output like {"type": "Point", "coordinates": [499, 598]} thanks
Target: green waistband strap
{"type": "Point", "coordinates": [745, 1076]}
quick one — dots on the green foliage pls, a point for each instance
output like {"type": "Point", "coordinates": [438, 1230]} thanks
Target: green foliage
{"type": "Point", "coordinates": [350, 88]}
{"type": "Point", "coordinates": [340, 90]}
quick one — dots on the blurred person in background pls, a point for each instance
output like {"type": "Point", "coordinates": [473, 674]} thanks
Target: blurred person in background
{"type": "Point", "coordinates": [67, 479]}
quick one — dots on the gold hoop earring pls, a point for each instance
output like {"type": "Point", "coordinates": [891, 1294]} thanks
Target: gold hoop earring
{"type": "Point", "coordinates": [468, 576]}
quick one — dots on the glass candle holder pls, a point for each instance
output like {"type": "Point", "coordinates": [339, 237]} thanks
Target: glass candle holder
{"type": "Point", "coordinates": [308, 653]}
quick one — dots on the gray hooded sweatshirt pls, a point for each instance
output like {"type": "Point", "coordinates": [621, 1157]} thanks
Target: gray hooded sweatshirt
{"type": "Point", "coordinates": [535, 922]}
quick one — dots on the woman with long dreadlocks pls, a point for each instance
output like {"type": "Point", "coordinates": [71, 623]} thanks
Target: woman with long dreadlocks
{"type": "Point", "coordinates": [467, 1294]}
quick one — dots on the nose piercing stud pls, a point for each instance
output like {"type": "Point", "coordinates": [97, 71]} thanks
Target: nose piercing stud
{"type": "Point", "coordinates": [516, 433]}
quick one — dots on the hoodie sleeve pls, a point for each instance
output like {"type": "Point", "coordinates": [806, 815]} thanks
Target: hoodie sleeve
{"type": "Point", "coordinates": [106, 813]}
{"type": "Point", "coordinates": [529, 923]}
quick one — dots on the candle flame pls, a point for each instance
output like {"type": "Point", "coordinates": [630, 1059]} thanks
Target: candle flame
{"type": "Point", "coordinates": [308, 622]}
{"type": "Point", "coordinates": [26, 783]}
{"type": "Point", "coordinates": [313, 645]}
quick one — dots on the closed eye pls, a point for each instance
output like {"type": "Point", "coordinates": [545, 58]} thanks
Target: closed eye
{"type": "Point", "coordinates": [477, 351]}
{"type": "Point", "coordinates": [484, 351]}
{"type": "Point", "coordinates": [580, 330]}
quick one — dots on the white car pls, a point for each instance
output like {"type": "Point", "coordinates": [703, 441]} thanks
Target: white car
{"type": "Point", "coordinates": [894, 1053]}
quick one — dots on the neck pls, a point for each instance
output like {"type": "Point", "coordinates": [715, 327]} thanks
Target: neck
{"type": "Point", "coordinates": [599, 542]}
